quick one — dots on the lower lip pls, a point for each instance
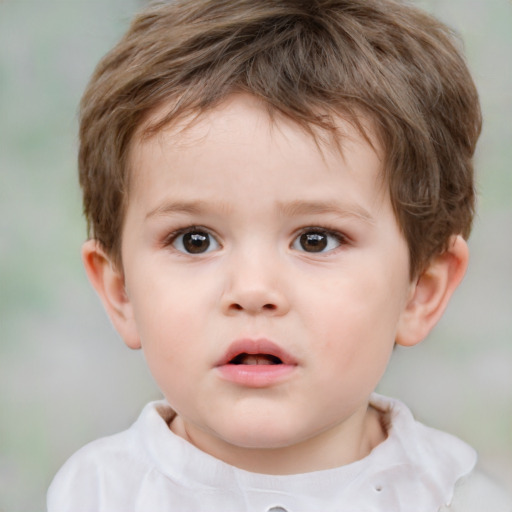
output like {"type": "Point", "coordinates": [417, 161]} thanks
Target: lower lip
{"type": "Point", "coordinates": [256, 375]}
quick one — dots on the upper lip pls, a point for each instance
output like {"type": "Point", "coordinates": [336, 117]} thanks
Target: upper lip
{"type": "Point", "coordinates": [254, 347]}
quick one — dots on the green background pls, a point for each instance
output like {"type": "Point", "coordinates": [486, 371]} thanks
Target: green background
{"type": "Point", "coordinates": [66, 378]}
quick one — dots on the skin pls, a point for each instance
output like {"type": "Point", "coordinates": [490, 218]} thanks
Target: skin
{"type": "Point", "coordinates": [252, 189]}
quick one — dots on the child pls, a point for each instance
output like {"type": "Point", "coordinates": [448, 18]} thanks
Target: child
{"type": "Point", "coordinates": [277, 192]}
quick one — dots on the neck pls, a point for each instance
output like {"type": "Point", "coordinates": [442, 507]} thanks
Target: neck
{"type": "Point", "coordinates": [337, 446]}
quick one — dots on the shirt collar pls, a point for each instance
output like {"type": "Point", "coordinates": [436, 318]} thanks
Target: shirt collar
{"type": "Point", "coordinates": [415, 464]}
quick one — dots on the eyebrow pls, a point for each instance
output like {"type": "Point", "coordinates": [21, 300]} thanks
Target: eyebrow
{"type": "Point", "coordinates": [185, 207]}
{"type": "Point", "coordinates": [288, 209]}
{"type": "Point", "coordinates": [322, 207]}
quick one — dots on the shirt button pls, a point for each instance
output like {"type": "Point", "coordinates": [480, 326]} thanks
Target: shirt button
{"type": "Point", "coordinates": [277, 509]}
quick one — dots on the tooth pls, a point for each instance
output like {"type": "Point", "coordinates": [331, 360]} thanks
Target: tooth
{"type": "Point", "coordinates": [255, 359]}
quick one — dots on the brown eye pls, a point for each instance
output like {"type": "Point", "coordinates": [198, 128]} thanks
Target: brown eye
{"type": "Point", "coordinates": [313, 242]}
{"type": "Point", "coordinates": [318, 240]}
{"type": "Point", "coordinates": [195, 242]}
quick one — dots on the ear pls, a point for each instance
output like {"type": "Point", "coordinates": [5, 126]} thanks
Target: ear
{"type": "Point", "coordinates": [108, 281]}
{"type": "Point", "coordinates": [431, 293]}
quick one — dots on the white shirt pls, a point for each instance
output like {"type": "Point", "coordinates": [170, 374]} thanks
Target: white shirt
{"type": "Point", "coordinates": [147, 468]}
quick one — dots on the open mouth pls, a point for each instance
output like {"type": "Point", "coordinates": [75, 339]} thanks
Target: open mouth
{"type": "Point", "coordinates": [255, 352]}
{"type": "Point", "coordinates": [255, 359]}
{"type": "Point", "coordinates": [256, 363]}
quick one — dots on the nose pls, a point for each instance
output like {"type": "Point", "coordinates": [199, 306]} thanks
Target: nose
{"type": "Point", "coordinates": [254, 285]}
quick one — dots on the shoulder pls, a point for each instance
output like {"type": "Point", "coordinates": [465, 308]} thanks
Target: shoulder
{"type": "Point", "coordinates": [446, 466]}
{"type": "Point", "coordinates": [107, 472]}
{"type": "Point", "coordinates": [477, 492]}
{"type": "Point", "coordinates": [95, 470]}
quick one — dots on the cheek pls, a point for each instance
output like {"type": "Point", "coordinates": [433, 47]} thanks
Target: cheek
{"type": "Point", "coordinates": [358, 321]}
{"type": "Point", "coordinates": [165, 299]}
{"type": "Point", "coordinates": [167, 319]}
{"type": "Point", "coordinates": [354, 352]}
{"type": "Point", "coordinates": [169, 343]}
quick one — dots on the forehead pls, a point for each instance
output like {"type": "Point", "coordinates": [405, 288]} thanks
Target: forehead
{"type": "Point", "coordinates": [327, 128]}
{"type": "Point", "coordinates": [243, 134]}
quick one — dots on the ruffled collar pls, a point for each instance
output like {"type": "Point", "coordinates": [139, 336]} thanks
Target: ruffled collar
{"type": "Point", "coordinates": [416, 465]}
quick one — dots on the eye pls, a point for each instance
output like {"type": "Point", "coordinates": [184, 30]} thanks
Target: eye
{"type": "Point", "coordinates": [318, 240]}
{"type": "Point", "coordinates": [194, 241]}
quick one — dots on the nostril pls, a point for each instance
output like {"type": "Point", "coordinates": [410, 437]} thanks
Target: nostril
{"type": "Point", "coordinates": [265, 307]}
{"type": "Point", "coordinates": [251, 308]}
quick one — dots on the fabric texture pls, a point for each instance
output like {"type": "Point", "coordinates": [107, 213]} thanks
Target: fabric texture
{"type": "Point", "coordinates": [147, 468]}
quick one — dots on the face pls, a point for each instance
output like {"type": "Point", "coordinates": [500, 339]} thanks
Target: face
{"type": "Point", "coordinates": [266, 277]}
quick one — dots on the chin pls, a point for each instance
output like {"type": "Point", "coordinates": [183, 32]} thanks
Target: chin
{"type": "Point", "coordinates": [261, 442]}
{"type": "Point", "coordinates": [260, 435]}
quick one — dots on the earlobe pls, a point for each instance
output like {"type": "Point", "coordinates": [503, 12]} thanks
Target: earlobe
{"type": "Point", "coordinates": [108, 281]}
{"type": "Point", "coordinates": [431, 293]}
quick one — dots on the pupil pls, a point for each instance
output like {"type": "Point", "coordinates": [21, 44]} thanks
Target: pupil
{"type": "Point", "coordinates": [196, 242]}
{"type": "Point", "coordinates": [313, 242]}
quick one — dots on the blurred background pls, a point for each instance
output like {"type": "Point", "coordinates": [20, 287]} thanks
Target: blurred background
{"type": "Point", "coordinates": [65, 376]}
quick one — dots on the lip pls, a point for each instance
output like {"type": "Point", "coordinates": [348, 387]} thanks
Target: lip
{"type": "Point", "coordinates": [256, 375]}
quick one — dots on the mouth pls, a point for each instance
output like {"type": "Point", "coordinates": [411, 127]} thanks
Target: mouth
{"type": "Point", "coordinates": [255, 359]}
{"type": "Point", "coordinates": [256, 364]}
{"type": "Point", "coordinates": [257, 352]}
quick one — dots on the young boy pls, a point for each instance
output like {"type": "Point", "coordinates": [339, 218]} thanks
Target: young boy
{"type": "Point", "coordinates": [277, 193]}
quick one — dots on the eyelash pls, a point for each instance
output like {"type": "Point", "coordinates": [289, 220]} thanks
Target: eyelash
{"type": "Point", "coordinates": [341, 239]}
{"type": "Point", "coordinates": [171, 238]}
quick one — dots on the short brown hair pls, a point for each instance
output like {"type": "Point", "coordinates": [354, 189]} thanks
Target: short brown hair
{"type": "Point", "coordinates": [309, 60]}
